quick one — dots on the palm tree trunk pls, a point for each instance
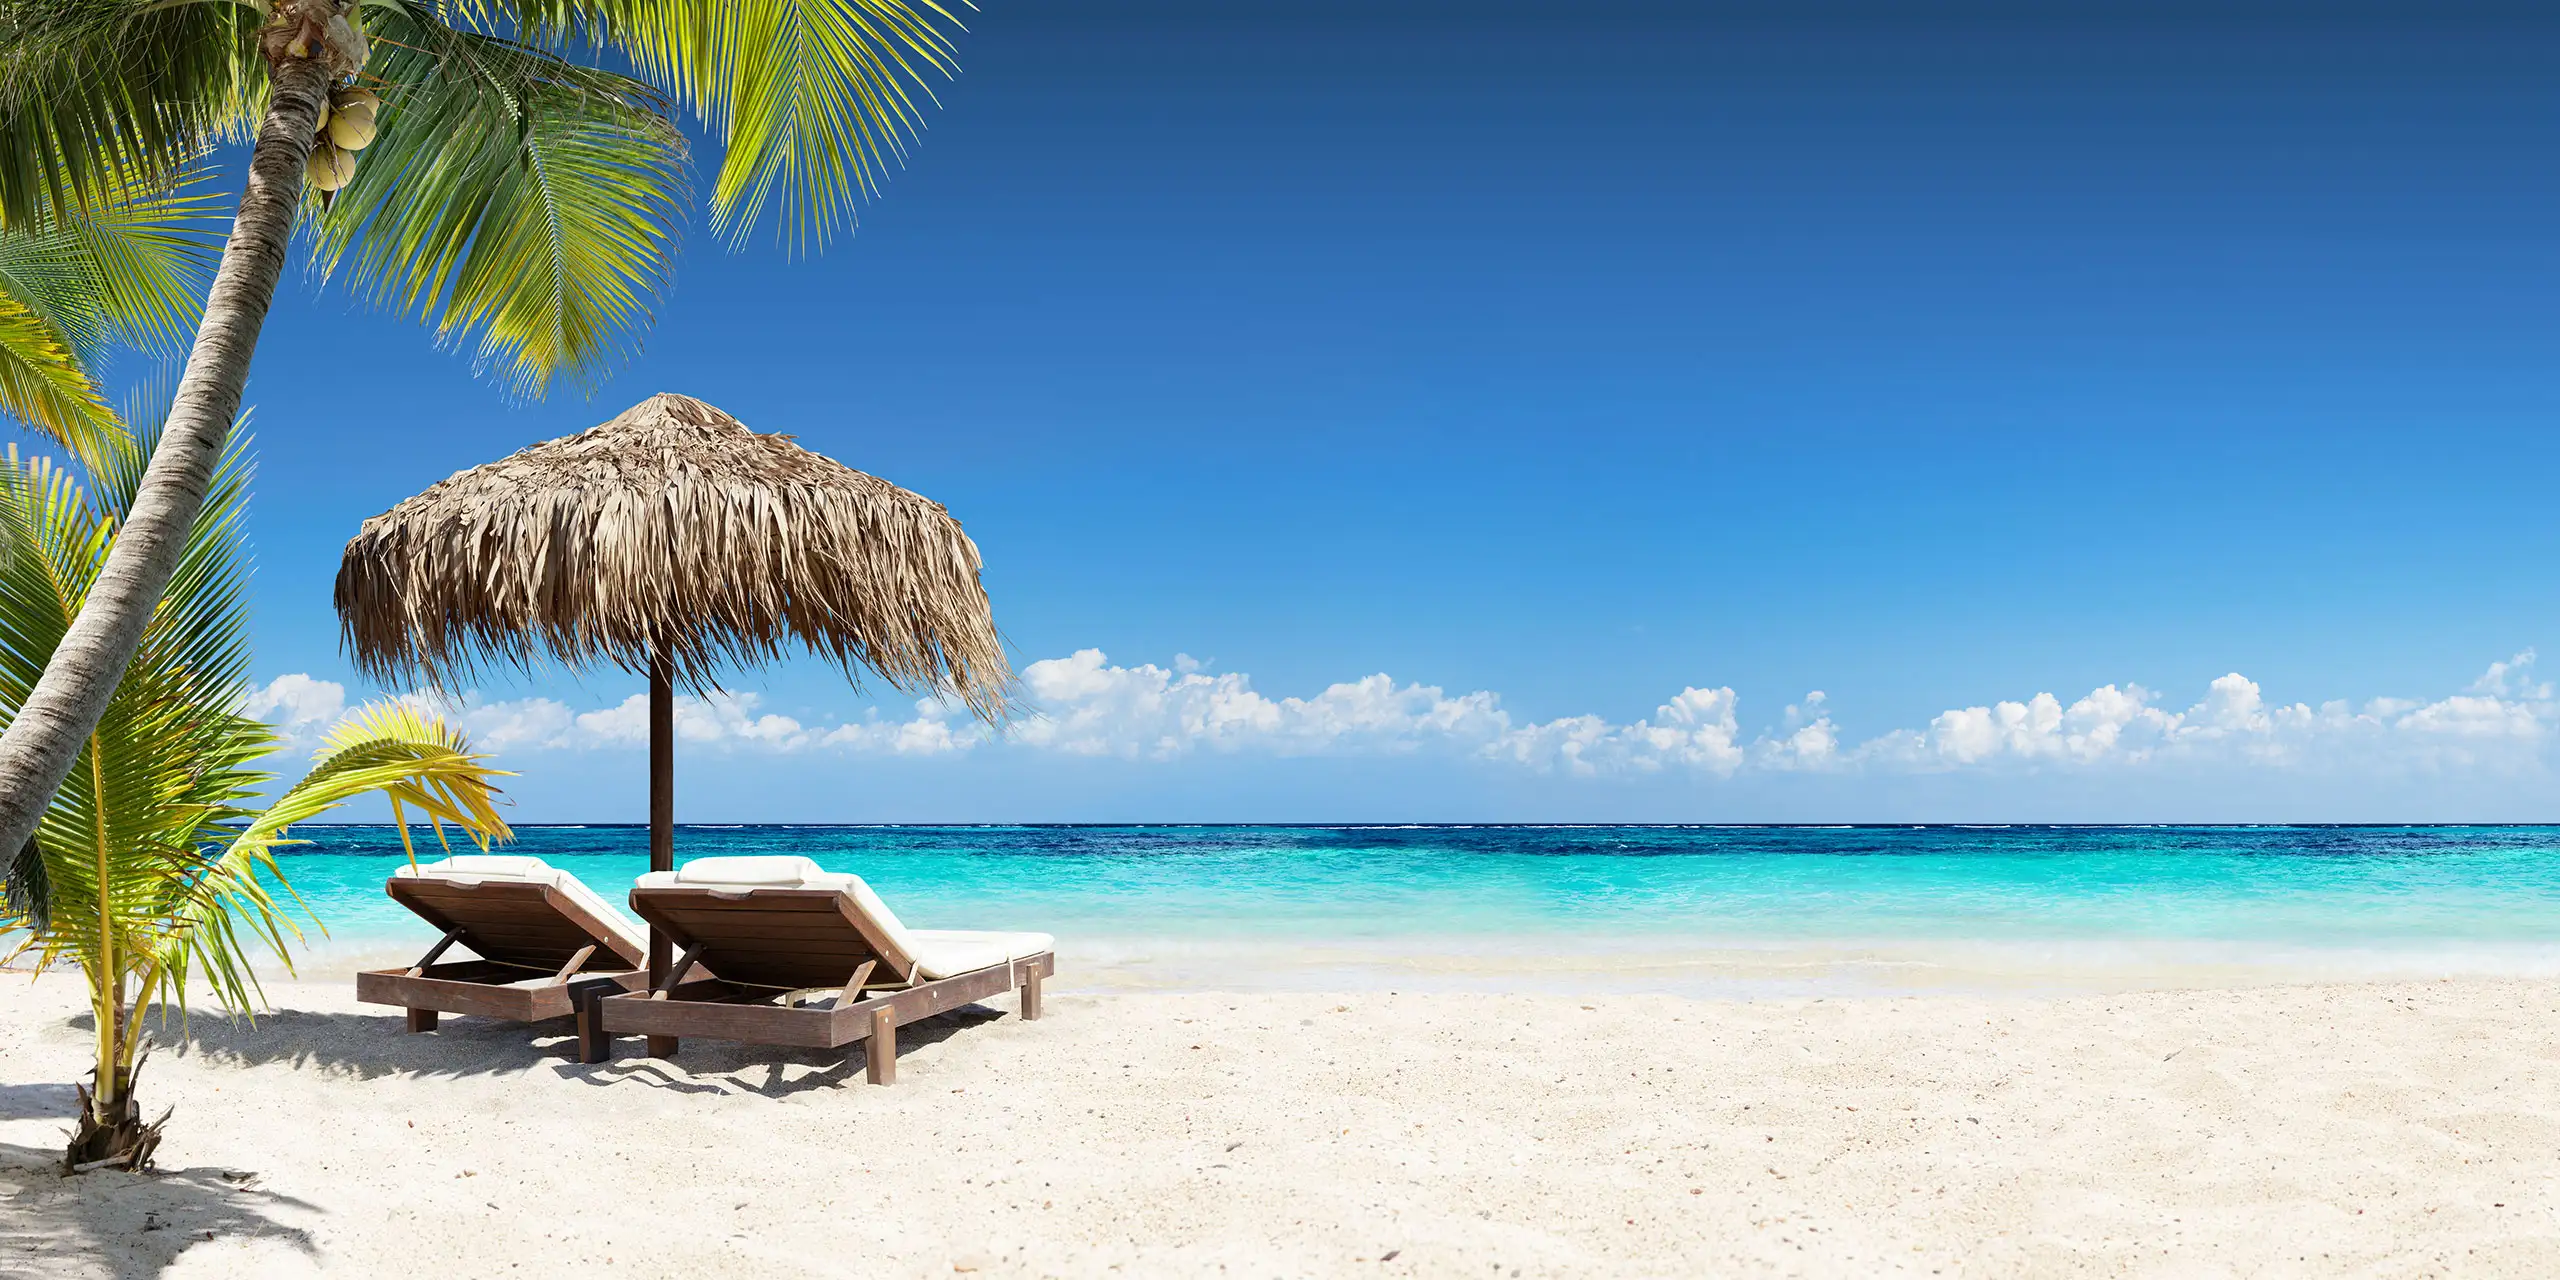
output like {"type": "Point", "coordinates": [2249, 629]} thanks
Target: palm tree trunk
{"type": "Point", "coordinates": [111, 1130]}
{"type": "Point", "coordinates": [44, 739]}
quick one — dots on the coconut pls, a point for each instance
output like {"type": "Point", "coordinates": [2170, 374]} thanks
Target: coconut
{"type": "Point", "coordinates": [351, 130]}
{"type": "Point", "coordinates": [329, 168]}
{"type": "Point", "coordinates": [365, 98]}
{"type": "Point", "coordinates": [322, 125]}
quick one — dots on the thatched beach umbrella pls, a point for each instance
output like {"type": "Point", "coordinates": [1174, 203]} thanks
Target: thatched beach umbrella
{"type": "Point", "coordinates": [674, 543]}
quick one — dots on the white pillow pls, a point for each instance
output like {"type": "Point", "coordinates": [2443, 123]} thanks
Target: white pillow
{"type": "Point", "coordinates": [776, 869]}
{"type": "Point", "coordinates": [483, 866]}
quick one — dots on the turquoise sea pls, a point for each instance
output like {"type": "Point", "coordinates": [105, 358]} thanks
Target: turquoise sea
{"type": "Point", "coordinates": [1740, 910]}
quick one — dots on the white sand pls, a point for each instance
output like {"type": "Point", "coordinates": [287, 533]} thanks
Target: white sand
{"type": "Point", "coordinates": [2382, 1130]}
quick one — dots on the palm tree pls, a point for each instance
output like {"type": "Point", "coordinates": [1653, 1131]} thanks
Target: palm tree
{"type": "Point", "coordinates": [517, 197]}
{"type": "Point", "coordinates": [151, 866]}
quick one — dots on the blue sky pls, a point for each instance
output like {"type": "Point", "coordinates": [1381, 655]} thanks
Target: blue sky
{"type": "Point", "coordinates": [1574, 356]}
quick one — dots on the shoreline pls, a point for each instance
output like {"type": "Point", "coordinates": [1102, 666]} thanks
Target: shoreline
{"type": "Point", "coordinates": [1774, 968]}
{"type": "Point", "coordinates": [2384, 1128]}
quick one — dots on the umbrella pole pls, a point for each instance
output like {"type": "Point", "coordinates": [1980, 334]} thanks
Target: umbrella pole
{"type": "Point", "coordinates": [662, 820]}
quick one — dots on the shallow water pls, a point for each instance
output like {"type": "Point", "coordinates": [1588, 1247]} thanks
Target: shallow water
{"type": "Point", "coordinates": [1743, 910]}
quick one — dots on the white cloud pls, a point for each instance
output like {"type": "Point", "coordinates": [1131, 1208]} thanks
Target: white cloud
{"type": "Point", "coordinates": [725, 720]}
{"type": "Point", "coordinates": [1696, 729]}
{"type": "Point", "coordinates": [938, 728]}
{"type": "Point", "coordinates": [296, 704]}
{"type": "Point", "coordinates": [2512, 677]}
{"type": "Point", "coordinates": [2109, 722]}
{"type": "Point", "coordinates": [1087, 706]}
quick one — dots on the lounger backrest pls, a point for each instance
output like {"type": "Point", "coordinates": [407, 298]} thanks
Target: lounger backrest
{"type": "Point", "coordinates": [776, 922]}
{"type": "Point", "coordinates": [519, 911]}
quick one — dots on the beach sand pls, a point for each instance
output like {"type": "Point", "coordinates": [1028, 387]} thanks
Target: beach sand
{"type": "Point", "coordinates": [2370, 1130]}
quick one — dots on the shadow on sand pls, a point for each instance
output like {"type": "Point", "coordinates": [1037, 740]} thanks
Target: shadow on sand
{"type": "Point", "coordinates": [367, 1045]}
{"type": "Point", "coordinates": [772, 1071]}
{"type": "Point", "coordinates": [364, 1045]}
{"type": "Point", "coordinates": [38, 1101]}
{"type": "Point", "coordinates": [125, 1225]}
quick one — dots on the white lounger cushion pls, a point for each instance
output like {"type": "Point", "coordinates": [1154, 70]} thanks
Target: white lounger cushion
{"type": "Point", "coordinates": [941, 953]}
{"type": "Point", "coordinates": [938, 953]}
{"type": "Point", "coordinates": [479, 868]}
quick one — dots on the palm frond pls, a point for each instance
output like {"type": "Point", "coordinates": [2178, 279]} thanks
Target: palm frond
{"type": "Point", "coordinates": [814, 102]}
{"type": "Point", "coordinates": [404, 752]}
{"type": "Point", "coordinates": [128, 268]}
{"type": "Point", "coordinates": [512, 199]}
{"type": "Point", "coordinates": [389, 748]}
{"type": "Point", "coordinates": [96, 95]}
{"type": "Point", "coordinates": [43, 381]}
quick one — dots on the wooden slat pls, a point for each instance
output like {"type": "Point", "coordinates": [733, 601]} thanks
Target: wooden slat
{"type": "Point", "coordinates": [465, 995]}
{"type": "Point", "coordinates": [511, 920]}
{"type": "Point", "coordinates": [535, 956]}
{"type": "Point", "coordinates": [517, 1003]}
{"type": "Point", "coordinates": [721, 1019]}
{"type": "Point", "coordinates": [819, 901]}
{"type": "Point", "coordinates": [781, 976]}
{"type": "Point", "coordinates": [752, 1023]}
{"type": "Point", "coordinates": [537, 922]}
{"type": "Point", "coordinates": [920, 1002]}
{"type": "Point", "coordinates": [494, 913]}
{"type": "Point", "coordinates": [843, 954]}
{"type": "Point", "coordinates": [563, 941]}
{"type": "Point", "coordinates": [741, 934]}
{"type": "Point", "coordinates": [491, 910]}
{"type": "Point", "coordinates": [779, 927]}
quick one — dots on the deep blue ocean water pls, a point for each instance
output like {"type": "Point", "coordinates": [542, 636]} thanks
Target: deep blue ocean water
{"type": "Point", "coordinates": [1739, 909]}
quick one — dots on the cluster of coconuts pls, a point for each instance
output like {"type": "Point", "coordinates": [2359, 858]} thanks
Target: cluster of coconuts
{"type": "Point", "coordinates": [346, 127]}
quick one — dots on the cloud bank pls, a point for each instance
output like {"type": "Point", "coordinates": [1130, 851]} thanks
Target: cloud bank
{"type": "Point", "coordinates": [1090, 707]}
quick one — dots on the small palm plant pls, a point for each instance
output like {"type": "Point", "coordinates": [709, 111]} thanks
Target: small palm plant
{"type": "Point", "coordinates": [154, 868]}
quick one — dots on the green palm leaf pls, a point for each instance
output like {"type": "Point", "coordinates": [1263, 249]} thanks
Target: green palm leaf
{"type": "Point", "coordinates": [127, 269]}
{"type": "Point", "coordinates": [512, 198]}
{"type": "Point", "coordinates": [43, 382]}
{"type": "Point", "coordinates": [813, 101]}
{"type": "Point", "coordinates": [97, 96]}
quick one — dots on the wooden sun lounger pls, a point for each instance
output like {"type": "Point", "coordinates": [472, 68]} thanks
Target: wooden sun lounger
{"type": "Point", "coordinates": [804, 967]}
{"type": "Point", "coordinates": [541, 953]}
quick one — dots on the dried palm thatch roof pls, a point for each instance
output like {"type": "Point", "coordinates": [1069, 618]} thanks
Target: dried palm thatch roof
{"type": "Point", "coordinates": [671, 531]}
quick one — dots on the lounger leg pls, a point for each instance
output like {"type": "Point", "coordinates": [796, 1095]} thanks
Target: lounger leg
{"type": "Point", "coordinates": [662, 1046]}
{"type": "Point", "coordinates": [882, 1048]}
{"type": "Point", "coordinates": [593, 1044]}
{"type": "Point", "coordinates": [1031, 998]}
{"type": "Point", "coordinates": [422, 1020]}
